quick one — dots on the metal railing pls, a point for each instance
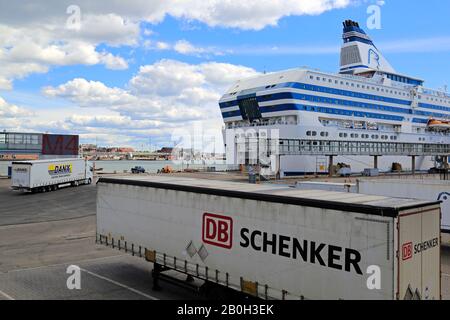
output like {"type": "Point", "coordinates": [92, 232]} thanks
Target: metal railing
{"type": "Point", "coordinates": [346, 148]}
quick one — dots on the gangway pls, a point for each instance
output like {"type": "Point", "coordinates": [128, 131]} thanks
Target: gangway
{"type": "Point", "coordinates": [333, 148]}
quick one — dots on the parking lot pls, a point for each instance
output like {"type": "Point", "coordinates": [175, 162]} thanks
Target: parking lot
{"type": "Point", "coordinates": [42, 234]}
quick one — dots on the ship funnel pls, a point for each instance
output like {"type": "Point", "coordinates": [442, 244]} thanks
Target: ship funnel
{"type": "Point", "coordinates": [359, 54]}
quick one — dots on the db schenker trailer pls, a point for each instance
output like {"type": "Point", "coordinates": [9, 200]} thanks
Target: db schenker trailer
{"type": "Point", "coordinates": [49, 175]}
{"type": "Point", "coordinates": [276, 242]}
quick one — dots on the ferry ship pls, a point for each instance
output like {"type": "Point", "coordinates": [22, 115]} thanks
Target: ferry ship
{"type": "Point", "coordinates": [367, 100]}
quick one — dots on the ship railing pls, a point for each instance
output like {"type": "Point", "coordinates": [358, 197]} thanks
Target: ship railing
{"type": "Point", "coordinates": [353, 148]}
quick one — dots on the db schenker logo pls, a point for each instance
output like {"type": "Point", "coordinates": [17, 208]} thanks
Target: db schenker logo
{"type": "Point", "coordinates": [217, 230]}
{"type": "Point", "coordinates": [407, 251]}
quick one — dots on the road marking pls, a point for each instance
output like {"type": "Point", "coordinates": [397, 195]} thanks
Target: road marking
{"type": "Point", "coordinates": [119, 284]}
{"type": "Point", "coordinates": [6, 295]}
{"type": "Point", "coordinates": [67, 263]}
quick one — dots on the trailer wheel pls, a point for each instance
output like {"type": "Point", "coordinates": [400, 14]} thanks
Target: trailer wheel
{"type": "Point", "coordinates": [89, 181]}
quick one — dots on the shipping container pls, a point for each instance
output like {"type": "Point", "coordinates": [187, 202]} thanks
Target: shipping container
{"type": "Point", "coordinates": [423, 189]}
{"type": "Point", "coordinates": [47, 175]}
{"type": "Point", "coordinates": [276, 242]}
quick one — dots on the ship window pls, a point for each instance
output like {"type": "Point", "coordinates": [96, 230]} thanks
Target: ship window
{"type": "Point", "coordinates": [308, 133]}
{"type": "Point", "coordinates": [249, 109]}
{"type": "Point", "coordinates": [311, 77]}
{"type": "Point", "coordinates": [318, 78]}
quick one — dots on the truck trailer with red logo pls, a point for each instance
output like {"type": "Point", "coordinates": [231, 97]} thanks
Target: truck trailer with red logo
{"type": "Point", "coordinates": [275, 242]}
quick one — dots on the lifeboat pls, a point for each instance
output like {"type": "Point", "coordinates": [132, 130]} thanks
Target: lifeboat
{"type": "Point", "coordinates": [436, 124]}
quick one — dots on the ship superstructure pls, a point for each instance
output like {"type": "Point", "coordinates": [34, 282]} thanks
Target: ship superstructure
{"type": "Point", "coordinates": [368, 100]}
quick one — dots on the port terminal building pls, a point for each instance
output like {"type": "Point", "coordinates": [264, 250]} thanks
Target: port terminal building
{"type": "Point", "coordinates": [32, 146]}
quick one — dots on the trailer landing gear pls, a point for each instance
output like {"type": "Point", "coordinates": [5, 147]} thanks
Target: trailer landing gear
{"type": "Point", "coordinates": [156, 273]}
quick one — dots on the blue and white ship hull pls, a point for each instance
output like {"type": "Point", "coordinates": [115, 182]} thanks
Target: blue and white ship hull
{"type": "Point", "coordinates": [368, 101]}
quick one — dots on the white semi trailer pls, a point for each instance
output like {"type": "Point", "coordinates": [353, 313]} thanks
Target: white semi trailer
{"type": "Point", "coordinates": [423, 189]}
{"type": "Point", "coordinates": [276, 242]}
{"type": "Point", "coordinates": [48, 175]}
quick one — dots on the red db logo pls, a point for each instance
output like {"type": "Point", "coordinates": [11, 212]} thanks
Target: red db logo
{"type": "Point", "coordinates": [217, 230]}
{"type": "Point", "coordinates": [407, 251]}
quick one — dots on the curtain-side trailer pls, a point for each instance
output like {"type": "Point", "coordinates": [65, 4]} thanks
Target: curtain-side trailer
{"type": "Point", "coordinates": [48, 175]}
{"type": "Point", "coordinates": [276, 242]}
{"type": "Point", "coordinates": [424, 189]}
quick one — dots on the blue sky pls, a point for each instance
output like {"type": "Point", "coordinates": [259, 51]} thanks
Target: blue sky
{"type": "Point", "coordinates": [106, 104]}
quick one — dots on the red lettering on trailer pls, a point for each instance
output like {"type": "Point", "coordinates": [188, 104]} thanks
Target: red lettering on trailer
{"type": "Point", "coordinates": [407, 251]}
{"type": "Point", "coordinates": [217, 230]}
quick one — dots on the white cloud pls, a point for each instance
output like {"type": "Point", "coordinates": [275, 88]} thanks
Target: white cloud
{"type": "Point", "coordinates": [89, 93]}
{"type": "Point", "coordinates": [10, 111]}
{"type": "Point", "coordinates": [33, 48]}
{"type": "Point", "coordinates": [250, 14]}
{"type": "Point", "coordinates": [160, 98]}
{"type": "Point", "coordinates": [162, 45]}
{"type": "Point", "coordinates": [185, 47]}
{"type": "Point", "coordinates": [113, 62]}
{"type": "Point", "coordinates": [37, 37]}
{"type": "Point", "coordinates": [166, 77]}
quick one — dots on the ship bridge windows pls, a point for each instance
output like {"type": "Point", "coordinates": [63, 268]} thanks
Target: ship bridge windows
{"type": "Point", "coordinates": [249, 109]}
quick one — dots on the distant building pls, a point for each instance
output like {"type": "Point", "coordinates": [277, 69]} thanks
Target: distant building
{"type": "Point", "coordinates": [87, 148]}
{"type": "Point", "coordinates": [17, 145]}
{"type": "Point", "coordinates": [165, 150]}
{"type": "Point", "coordinates": [125, 150]}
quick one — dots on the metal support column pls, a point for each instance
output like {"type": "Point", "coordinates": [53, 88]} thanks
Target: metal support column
{"type": "Point", "coordinates": [375, 162]}
{"type": "Point", "coordinates": [330, 166]}
{"type": "Point", "coordinates": [413, 164]}
{"type": "Point", "coordinates": [157, 268]}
